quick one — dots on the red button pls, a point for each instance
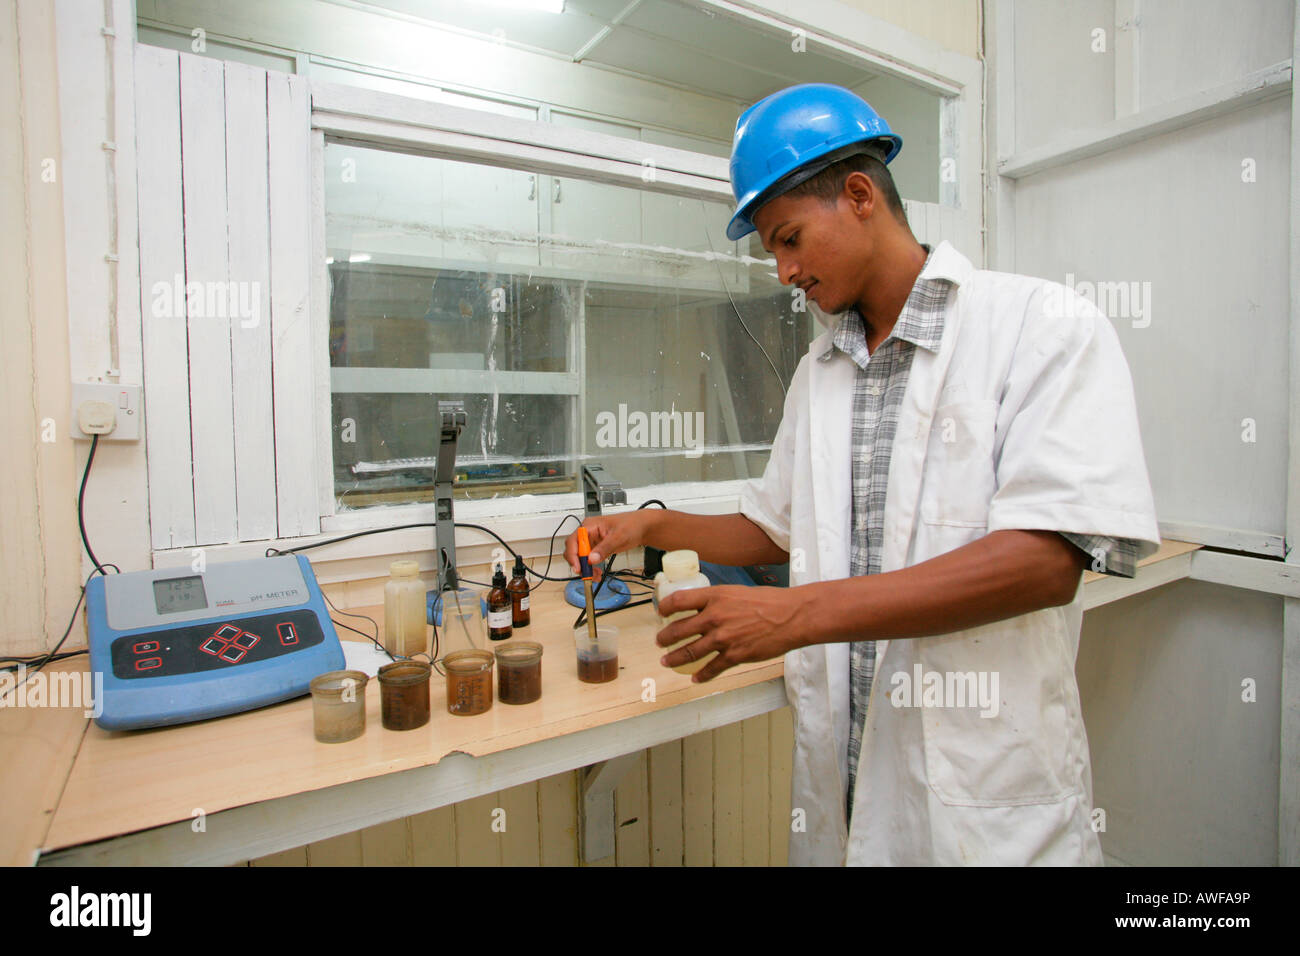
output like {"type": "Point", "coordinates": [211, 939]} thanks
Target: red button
{"type": "Point", "coordinates": [227, 632]}
{"type": "Point", "coordinates": [246, 640]}
{"type": "Point", "coordinates": [288, 634]}
{"type": "Point", "coordinates": [148, 663]}
{"type": "Point", "coordinates": [145, 647]}
{"type": "Point", "coordinates": [232, 654]}
{"type": "Point", "coordinates": [213, 646]}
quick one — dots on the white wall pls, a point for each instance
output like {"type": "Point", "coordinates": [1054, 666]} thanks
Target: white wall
{"type": "Point", "coordinates": [1093, 192]}
{"type": "Point", "coordinates": [1185, 769]}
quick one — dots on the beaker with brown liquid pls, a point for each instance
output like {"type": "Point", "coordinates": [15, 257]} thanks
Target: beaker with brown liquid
{"type": "Point", "coordinates": [598, 659]}
{"type": "Point", "coordinates": [404, 694]}
{"type": "Point", "coordinates": [469, 682]}
{"type": "Point", "coordinates": [519, 672]}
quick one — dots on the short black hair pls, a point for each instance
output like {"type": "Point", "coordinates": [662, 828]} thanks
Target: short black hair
{"type": "Point", "coordinates": [829, 183]}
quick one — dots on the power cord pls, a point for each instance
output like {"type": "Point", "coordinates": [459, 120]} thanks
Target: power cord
{"type": "Point", "coordinates": [541, 575]}
{"type": "Point", "coordinates": [365, 617]}
{"type": "Point", "coordinates": [81, 509]}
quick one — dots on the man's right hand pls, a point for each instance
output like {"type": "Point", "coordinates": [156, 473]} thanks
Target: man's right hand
{"type": "Point", "coordinates": [611, 534]}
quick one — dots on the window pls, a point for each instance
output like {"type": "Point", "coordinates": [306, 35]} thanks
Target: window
{"type": "Point", "coordinates": [577, 320]}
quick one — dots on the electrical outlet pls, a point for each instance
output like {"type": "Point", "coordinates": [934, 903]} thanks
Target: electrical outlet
{"type": "Point", "coordinates": [125, 403]}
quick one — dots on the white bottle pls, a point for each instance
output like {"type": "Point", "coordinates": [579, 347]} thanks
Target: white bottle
{"type": "Point", "coordinates": [681, 571]}
{"type": "Point", "coordinates": [406, 619]}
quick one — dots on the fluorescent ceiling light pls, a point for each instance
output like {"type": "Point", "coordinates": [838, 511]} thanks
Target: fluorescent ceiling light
{"type": "Point", "coordinates": [359, 257]}
{"type": "Point", "coordinates": [537, 6]}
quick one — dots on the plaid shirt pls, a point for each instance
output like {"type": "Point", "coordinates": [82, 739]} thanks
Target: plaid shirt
{"type": "Point", "coordinates": [879, 384]}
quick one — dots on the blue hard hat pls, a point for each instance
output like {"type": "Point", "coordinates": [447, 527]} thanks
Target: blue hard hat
{"type": "Point", "coordinates": [790, 136]}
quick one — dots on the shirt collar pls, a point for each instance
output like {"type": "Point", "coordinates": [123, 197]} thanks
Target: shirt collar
{"type": "Point", "coordinates": [921, 319]}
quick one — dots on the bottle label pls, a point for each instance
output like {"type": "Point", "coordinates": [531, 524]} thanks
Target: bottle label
{"type": "Point", "coordinates": [523, 603]}
{"type": "Point", "coordinates": [499, 618]}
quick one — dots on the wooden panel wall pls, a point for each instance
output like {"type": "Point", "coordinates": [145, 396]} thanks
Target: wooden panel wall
{"type": "Point", "coordinates": [721, 798]}
{"type": "Point", "coordinates": [225, 239]}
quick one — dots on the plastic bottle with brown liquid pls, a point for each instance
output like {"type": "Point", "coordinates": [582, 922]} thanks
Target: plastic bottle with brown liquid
{"type": "Point", "coordinates": [406, 622]}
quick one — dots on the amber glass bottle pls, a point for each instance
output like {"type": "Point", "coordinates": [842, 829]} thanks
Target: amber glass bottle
{"type": "Point", "coordinates": [518, 588]}
{"type": "Point", "coordinates": [499, 613]}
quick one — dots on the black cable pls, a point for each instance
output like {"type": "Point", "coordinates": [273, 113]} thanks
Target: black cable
{"type": "Point", "coordinates": [374, 640]}
{"type": "Point", "coordinates": [582, 617]}
{"type": "Point", "coordinates": [544, 575]}
{"type": "Point", "coordinates": [652, 501]}
{"type": "Point", "coordinates": [99, 569]}
{"type": "Point", "coordinates": [271, 552]}
{"type": "Point", "coordinates": [81, 509]}
{"type": "Point", "coordinates": [12, 663]}
{"type": "Point", "coordinates": [780, 379]}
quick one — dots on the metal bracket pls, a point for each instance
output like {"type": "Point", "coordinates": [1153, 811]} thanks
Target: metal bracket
{"type": "Point", "coordinates": [596, 822]}
{"type": "Point", "coordinates": [452, 421]}
{"type": "Point", "coordinates": [600, 488]}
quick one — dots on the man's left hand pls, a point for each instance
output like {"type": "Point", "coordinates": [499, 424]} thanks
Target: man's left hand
{"type": "Point", "coordinates": [742, 624]}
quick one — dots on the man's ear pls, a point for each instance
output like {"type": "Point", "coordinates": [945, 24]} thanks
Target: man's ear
{"type": "Point", "coordinates": [861, 194]}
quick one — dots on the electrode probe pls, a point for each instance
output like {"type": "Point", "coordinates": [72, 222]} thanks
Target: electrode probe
{"type": "Point", "coordinates": [584, 563]}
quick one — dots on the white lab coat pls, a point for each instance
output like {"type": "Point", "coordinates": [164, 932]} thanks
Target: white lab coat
{"type": "Point", "coordinates": [1024, 419]}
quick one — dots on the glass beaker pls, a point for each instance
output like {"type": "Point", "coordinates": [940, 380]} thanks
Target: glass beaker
{"type": "Point", "coordinates": [469, 682]}
{"type": "Point", "coordinates": [519, 672]}
{"type": "Point", "coordinates": [597, 660]}
{"type": "Point", "coordinates": [463, 627]}
{"type": "Point", "coordinates": [404, 694]}
{"type": "Point", "coordinates": [338, 705]}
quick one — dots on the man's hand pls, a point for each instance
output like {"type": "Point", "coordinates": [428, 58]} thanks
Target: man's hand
{"type": "Point", "coordinates": [742, 624]}
{"type": "Point", "coordinates": [610, 534]}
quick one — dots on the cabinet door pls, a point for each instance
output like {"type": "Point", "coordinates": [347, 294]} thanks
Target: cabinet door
{"type": "Point", "coordinates": [365, 215]}
{"type": "Point", "coordinates": [1197, 291]}
{"type": "Point", "coordinates": [593, 228]}
{"type": "Point", "coordinates": [489, 214]}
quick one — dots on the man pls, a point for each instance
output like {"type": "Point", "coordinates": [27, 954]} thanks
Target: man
{"type": "Point", "coordinates": [953, 453]}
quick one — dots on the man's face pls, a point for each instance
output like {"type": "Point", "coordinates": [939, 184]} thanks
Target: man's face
{"type": "Point", "coordinates": [819, 247]}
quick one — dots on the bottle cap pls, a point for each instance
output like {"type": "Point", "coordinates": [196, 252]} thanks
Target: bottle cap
{"type": "Point", "coordinates": [519, 564]}
{"type": "Point", "coordinates": [681, 564]}
{"type": "Point", "coordinates": [404, 569]}
{"type": "Point", "coordinates": [499, 579]}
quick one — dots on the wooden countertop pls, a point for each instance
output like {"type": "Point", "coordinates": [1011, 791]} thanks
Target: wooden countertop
{"type": "Point", "coordinates": [68, 782]}
{"type": "Point", "coordinates": [134, 780]}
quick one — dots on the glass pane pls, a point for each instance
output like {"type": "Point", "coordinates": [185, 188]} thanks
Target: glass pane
{"type": "Point", "coordinates": [578, 321]}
